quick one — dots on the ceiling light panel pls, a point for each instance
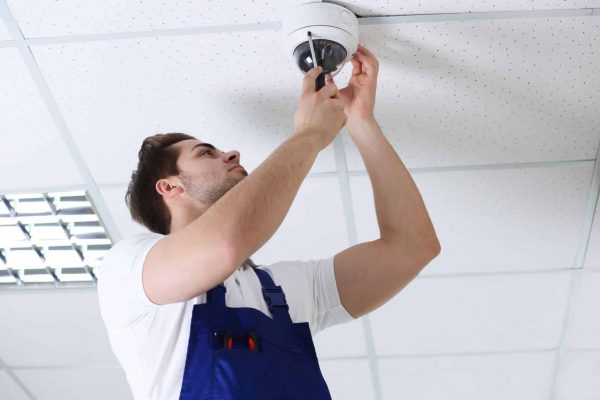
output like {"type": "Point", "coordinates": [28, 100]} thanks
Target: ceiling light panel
{"type": "Point", "coordinates": [49, 238]}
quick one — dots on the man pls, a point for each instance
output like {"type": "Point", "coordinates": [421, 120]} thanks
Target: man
{"type": "Point", "coordinates": [189, 315]}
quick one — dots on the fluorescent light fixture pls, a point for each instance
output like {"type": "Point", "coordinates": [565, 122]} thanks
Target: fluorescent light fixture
{"type": "Point", "coordinates": [50, 239]}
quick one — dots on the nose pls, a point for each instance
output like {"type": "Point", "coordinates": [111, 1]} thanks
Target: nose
{"type": "Point", "coordinates": [232, 155]}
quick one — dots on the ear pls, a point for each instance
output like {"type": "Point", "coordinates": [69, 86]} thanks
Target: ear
{"type": "Point", "coordinates": [168, 187]}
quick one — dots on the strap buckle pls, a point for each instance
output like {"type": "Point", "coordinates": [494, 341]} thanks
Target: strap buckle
{"type": "Point", "coordinates": [274, 297]}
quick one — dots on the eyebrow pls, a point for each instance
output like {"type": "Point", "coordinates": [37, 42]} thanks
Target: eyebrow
{"type": "Point", "coordinates": [210, 146]}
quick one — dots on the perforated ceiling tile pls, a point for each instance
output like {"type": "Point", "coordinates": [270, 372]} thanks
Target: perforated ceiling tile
{"type": "Point", "coordinates": [498, 376]}
{"type": "Point", "coordinates": [45, 18]}
{"type": "Point", "coordinates": [366, 8]}
{"type": "Point", "coordinates": [592, 256]}
{"type": "Point", "coordinates": [33, 153]}
{"type": "Point", "coordinates": [473, 314]}
{"type": "Point", "coordinates": [495, 220]}
{"type": "Point", "coordinates": [222, 88]}
{"type": "Point", "coordinates": [481, 92]}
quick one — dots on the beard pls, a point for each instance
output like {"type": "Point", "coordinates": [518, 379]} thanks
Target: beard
{"type": "Point", "coordinates": [206, 190]}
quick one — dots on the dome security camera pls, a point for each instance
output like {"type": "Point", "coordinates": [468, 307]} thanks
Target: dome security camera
{"type": "Point", "coordinates": [320, 34]}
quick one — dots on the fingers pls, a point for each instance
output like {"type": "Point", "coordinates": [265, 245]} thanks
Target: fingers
{"type": "Point", "coordinates": [310, 80]}
{"type": "Point", "coordinates": [363, 49]}
{"type": "Point", "coordinates": [330, 89]}
{"type": "Point", "coordinates": [356, 66]}
{"type": "Point", "coordinates": [369, 63]}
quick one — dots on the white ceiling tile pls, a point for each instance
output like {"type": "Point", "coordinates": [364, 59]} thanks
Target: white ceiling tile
{"type": "Point", "coordinates": [348, 379]}
{"type": "Point", "coordinates": [34, 154]}
{"type": "Point", "coordinates": [585, 329]}
{"type": "Point", "coordinates": [343, 340]}
{"type": "Point", "coordinates": [578, 376]}
{"type": "Point", "coordinates": [114, 198]}
{"type": "Point", "coordinates": [495, 220]}
{"type": "Point", "coordinates": [592, 256]}
{"type": "Point", "coordinates": [46, 18]}
{"type": "Point", "coordinates": [482, 313]}
{"type": "Point", "coordinates": [383, 7]}
{"type": "Point", "coordinates": [89, 383]}
{"type": "Point", "coordinates": [9, 388]}
{"type": "Point", "coordinates": [487, 91]}
{"type": "Point", "coordinates": [53, 328]}
{"type": "Point", "coordinates": [490, 377]}
{"type": "Point", "coordinates": [313, 228]}
{"type": "Point", "coordinates": [215, 87]}
{"type": "Point", "coordinates": [4, 32]}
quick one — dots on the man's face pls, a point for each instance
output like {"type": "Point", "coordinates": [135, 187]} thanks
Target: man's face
{"type": "Point", "coordinates": [205, 173]}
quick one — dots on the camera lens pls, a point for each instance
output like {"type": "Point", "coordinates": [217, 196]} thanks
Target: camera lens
{"type": "Point", "coordinates": [330, 55]}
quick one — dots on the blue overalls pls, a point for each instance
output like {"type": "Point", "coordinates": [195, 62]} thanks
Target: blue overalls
{"type": "Point", "coordinates": [241, 353]}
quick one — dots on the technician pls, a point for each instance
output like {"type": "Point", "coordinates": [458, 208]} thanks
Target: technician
{"type": "Point", "coordinates": [189, 315]}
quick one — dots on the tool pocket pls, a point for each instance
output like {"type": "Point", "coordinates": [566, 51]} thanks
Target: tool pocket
{"type": "Point", "coordinates": [238, 371]}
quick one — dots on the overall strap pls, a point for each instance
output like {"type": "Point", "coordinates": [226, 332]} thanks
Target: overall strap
{"type": "Point", "coordinates": [216, 295]}
{"type": "Point", "coordinates": [274, 297]}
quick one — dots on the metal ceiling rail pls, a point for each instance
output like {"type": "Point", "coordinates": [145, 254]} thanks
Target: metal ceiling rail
{"type": "Point", "coordinates": [276, 25]}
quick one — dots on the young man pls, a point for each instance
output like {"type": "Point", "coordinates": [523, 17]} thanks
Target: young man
{"type": "Point", "coordinates": [189, 315]}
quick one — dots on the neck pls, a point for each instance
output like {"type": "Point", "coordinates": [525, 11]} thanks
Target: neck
{"type": "Point", "coordinates": [182, 218]}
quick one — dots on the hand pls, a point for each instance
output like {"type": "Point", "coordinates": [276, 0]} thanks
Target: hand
{"type": "Point", "coordinates": [319, 115]}
{"type": "Point", "coordinates": [359, 96]}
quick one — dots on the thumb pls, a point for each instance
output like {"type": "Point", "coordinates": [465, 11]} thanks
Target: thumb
{"type": "Point", "coordinates": [309, 85]}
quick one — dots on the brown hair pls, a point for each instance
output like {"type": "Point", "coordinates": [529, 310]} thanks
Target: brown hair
{"type": "Point", "coordinates": [145, 204]}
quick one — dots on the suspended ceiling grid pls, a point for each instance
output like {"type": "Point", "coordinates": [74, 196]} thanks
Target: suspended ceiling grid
{"type": "Point", "coordinates": [493, 110]}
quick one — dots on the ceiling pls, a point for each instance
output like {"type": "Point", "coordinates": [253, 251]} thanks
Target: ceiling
{"type": "Point", "coordinates": [493, 107]}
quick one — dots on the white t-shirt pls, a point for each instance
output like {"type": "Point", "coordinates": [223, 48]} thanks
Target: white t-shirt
{"type": "Point", "coordinates": [150, 341]}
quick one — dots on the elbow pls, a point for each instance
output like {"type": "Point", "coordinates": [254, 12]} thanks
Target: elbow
{"type": "Point", "coordinates": [437, 248]}
{"type": "Point", "coordinates": [432, 251]}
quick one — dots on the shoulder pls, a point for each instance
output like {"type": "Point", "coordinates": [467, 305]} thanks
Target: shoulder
{"type": "Point", "coordinates": [119, 285]}
{"type": "Point", "coordinates": [127, 251]}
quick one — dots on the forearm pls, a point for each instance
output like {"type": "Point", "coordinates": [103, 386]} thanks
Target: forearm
{"type": "Point", "coordinates": [401, 213]}
{"type": "Point", "coordinates": [252, 211]}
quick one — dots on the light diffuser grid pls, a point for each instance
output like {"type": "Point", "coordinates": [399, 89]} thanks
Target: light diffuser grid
{"type": "Point", "coordinates": [49, 239]}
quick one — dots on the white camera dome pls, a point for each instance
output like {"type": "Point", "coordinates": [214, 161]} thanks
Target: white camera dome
{"type": "Point", "coordinates": [334, 32]}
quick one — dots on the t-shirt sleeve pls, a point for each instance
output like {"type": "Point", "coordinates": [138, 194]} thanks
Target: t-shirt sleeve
{"type": "Point", "coordinates": [329, 308]}
{"type": "Point", "coordinates": [120, 290]}
{"type": "Point", "coordinates": [311, 292]}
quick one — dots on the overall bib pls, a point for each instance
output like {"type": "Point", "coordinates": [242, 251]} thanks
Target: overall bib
{"type": "Point", "coordinates": [240, 353]}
